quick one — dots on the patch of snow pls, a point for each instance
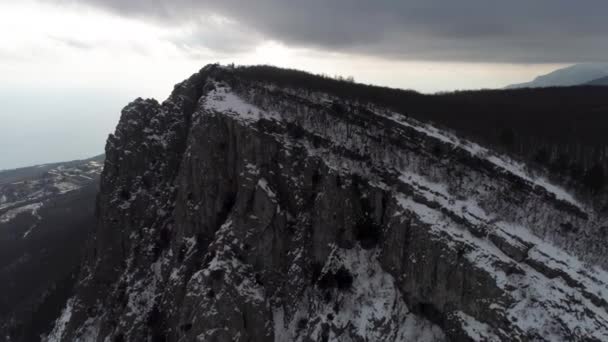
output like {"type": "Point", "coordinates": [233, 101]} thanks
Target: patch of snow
{"type": "Point", "coordinates": [476, 330]}
{"type": "Point", "coordinates": [25, 235]}
{"type": "Point", "coordinates": [263, 184]}
{"type": "Point", "coordinates": [125, 205]}
{"type": "Point", "coordinates": [538, 298]}
{"type": "Point", "coordinates": [518, 169]}
{"type": "Point", "coordinates": [162, 140]}
{"type": "Point", "coordinates": [474, 149]}
{"type": "Point", "coordinates": [142, 296]}
{"type": "Point", "coordinates": [222, 99]}
{"type": "Point", "coordinates": [89, 331]}
{"type": "Point", "coordinates": [235, 271]}
{"type": "Point", "coordinates": [371, 310]}
{"type": "Point", "coordinates": [593, 278]}
{"type": "Point", "coordinates": [61, 323]}
{"type": "Point", "coordinates": [539, 307]}
{"type": "Point", "coordinates": [281, 333]}
{"type": "Point", "coordinates": [12, 213]}
{"type": "Point", "coordinates": [437, 192]}
{"type": "Point", "coordinates": [65, 187]}
{"type": "Point", "coordinates": [251, 168]}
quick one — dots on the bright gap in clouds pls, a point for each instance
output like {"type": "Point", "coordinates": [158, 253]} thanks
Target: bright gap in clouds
{"type": "Point", "coordinates": [95, 61]}
{"type": "Point", "coordinates": [46, 45]}
{"type": "Point", "coordinates": [422, 76]}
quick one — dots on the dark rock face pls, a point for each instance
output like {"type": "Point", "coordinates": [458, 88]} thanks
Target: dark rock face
{"type": "Point", "coordinates": [46, 214]}
{"type": "Point", "coordinates": [236, 211]}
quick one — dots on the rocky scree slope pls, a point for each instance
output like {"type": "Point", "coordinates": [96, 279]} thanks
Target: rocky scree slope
{"type": "Point", "coordinates": [238, 211]}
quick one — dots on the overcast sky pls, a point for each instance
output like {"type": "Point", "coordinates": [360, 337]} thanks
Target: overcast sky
{"type": "Point", "coordinates": [68, 66]}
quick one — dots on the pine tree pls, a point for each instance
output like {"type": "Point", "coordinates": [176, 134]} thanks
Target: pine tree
{"type": "Point", "coordinates": [594, 178]}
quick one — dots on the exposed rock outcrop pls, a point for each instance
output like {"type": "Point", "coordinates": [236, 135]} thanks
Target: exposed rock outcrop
{"type": "Point", "coordinates": [237, 211]}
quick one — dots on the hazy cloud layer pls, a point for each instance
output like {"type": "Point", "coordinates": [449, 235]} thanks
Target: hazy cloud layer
{"type": "Point", "coordinates": [517, 31]}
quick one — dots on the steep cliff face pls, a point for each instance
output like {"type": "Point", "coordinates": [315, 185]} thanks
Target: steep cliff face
{"type": "Point", "coordinates": [238, 211]}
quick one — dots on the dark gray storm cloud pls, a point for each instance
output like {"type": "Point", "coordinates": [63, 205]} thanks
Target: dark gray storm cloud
{"type": "Point", "coordinates": [465, 30]}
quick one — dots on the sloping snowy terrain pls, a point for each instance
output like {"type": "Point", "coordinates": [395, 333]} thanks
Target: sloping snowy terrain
{"type": "Point", "coordinates": [46, 213]}
{"type": "Point", "coordinates": [26, 194]}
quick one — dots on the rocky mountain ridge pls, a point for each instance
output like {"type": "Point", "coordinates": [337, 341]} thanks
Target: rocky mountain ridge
{"type": "Point", "coordinates": [240, 211]}
{"type": "Point", "coordinates": [573, 75]}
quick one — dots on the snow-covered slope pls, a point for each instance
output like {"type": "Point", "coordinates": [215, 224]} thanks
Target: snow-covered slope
{"type": "Point", "coordinates": [46, 213]}
{"type": "Point", "coordinates": [26, 193]}
{"type": "Point", "coordinates": [240, 211]}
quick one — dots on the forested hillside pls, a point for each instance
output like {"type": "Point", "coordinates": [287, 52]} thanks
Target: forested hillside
{"type": "Point", "coordinates": [560, 129]}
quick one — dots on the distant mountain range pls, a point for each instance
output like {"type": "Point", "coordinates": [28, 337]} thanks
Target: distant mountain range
{"type": "Point", "coordinates": [600, 81]}
{"type": "Point", "coordinates": [578, 74]}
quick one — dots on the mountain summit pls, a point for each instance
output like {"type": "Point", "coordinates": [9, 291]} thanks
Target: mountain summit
{"type": "Point", "coordinates": [577, 74]}
{"type": "Point", "coordinates": [240, 210]}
